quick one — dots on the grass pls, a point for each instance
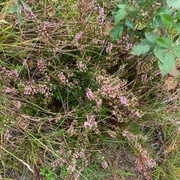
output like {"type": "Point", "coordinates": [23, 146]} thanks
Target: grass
{"type": "Point", "coordinates": [78, 107]}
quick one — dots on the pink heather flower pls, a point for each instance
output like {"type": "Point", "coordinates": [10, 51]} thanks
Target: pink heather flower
{"type": "Point", "coordinates": [90, 123]}
{"type": "Point", "coordinates": [62, 77]}
{"type": "Point", "coordinates": [55, 163]}
{"type": "Point", "coordinates": [90, 95]}
{"type": "Point", "coordinates": [71, 168]}
{"type": "Point", "coordinates": [104, 164]}
{"type": "Point", "coordinates": [100, 17]}
{"type": "Point", "coordinates": [99, 102]}
{"type": "Point", "coordinates": [41, 64]}
{"type": "Point", "coordinates": [18, 104]}
{"type": "Point", "coordinates": [29, 14]}
{"type": "Point", "coordinates": [148, 161]}
{"type": "Point", "coordinates": [137, 114]}
{"type": "Point", "coordinates": [76, 38]}
{"type": "Point", "coordinates": [10, 75]}
{"type": "Point", "coordinates": [76, 176]}
{"type": "Point", "coordinates": [28, 90]}
{"type": "Point", "coordinates": [124, 101]}
{"type": "Point", "coordinates": [81, 65]}
{"type": "Point", "coordinates": [109, 47]}
{"type": "Point", "coordinates": [10, 90]}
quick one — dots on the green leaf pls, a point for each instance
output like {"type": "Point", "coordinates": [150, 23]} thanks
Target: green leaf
{"type": "Point", "coordinates": [164, 10]}
{"type": "Point", "coordinates": [140, 49]}
{"type": "Point", "coordinates": [176, 50]}
{"type": "Point", "coordinates": [174, 4]}
{"type": "Point", "coordinates": [159, 52]}
{"type": "Point", "coordinates": [13, 9]}
{"type": "Point", "coordinates": [168, 63]}
{"type": "Point", "coordinates": [178, 15]}
{"type": "Point", "coordinates": [116, 32]}
{"type": "Point", "coordinates": [167, 20]}
{"type": "Point", "coordinates": [119, 16]}
{"type": "Point", "coordinates": [146, 42]}
{"type": "Point", "coordinates": [151, 37]}
{"type": "Point", "coordinates": [164, 42]}
{"type": "Point", "coordinates": [157, 22]}
{"type": "Point", "coordinates": [26, 5]}
{"type": "Point", "coordinates": [20, 20]}
{"type": "Point", "coordinates": [175, 38]}
{"type": "Point", "coordinates": [16, 2]}
{"type": "Point", "coordinates": [121, 6]}
{"type": "Point", "coordinates": [177, 27]}
{"type": "Point", "coordinates": [129, 24]}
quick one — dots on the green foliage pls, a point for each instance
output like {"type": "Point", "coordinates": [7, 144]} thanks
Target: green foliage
{"type": "Point", "coordinates": [16, 8]}
{"type": "Point", "coordinates": [157, 31]}
{"type": "Point", "coordinates": [167, 20]}
{"type": "Point", "coordinates": [164, 42]}
{"type": "Point", "coordinates": [116, 32]}
{"type": "Point", "coordinates": [177, 27]}
{"type": "Point", "coordinates": [156, 40]}
{"type": "Point", "coordinates": [176, 50]}
{"type": "Point", "coordinates": [167, 63]}
{"type": "Point", "coordinates": [49, 174]}
{"type": "Point", "coordinates": [151, 37]}
{"type": "Point", "coordinates": [140, 49]}
{"type": "Point", "coordinates": [119, 15]}
{"type": "Point", "coordinates": [174, 4]}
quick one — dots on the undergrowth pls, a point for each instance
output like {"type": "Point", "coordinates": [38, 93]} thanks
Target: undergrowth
{"type": "Point", "coordinates": [75, 104]}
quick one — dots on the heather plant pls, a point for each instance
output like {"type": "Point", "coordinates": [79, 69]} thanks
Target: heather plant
{"type": "Point", "coordinates": [76, 102]}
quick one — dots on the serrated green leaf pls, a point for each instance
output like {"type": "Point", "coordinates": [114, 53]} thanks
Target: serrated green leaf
{"type": "Point", "coordinates": [164, 42]}
{"type": "Point", "coordinates": [140, 49]}
{"type": "Point", "coordinates": [164, 10]}
{"type": "Point", "coordinates": [159, 52]}
{"type": "Point", "coordinates": [157, 22]}
{"type": "Point", "coordinates": [146, 42]}
{"type": "Point", "coordinates": [120, 14]}
{"type": "Point", "coordinates": [116, 32]}
{"type": "Point", "coordinates": [174, 4]}
{"type": "Point", "coordinates": [168, 63]}
{"type": "Point", "coordinates": [167, 20]}
{"type": "Point", "coordinates": [151, 37]}
{"type": "Point", "coordinates": [177, 27]}
{"type": "Point", "coordinates": [176, 50]}
{"type": "Point", "coordinates": [129, 24]}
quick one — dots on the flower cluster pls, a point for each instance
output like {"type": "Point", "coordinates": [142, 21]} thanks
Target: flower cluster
{"type": "Point", "coordinates": [41, 65]}
{"type": "Point", "coordinates": [143, 162]}
{"type": "Point", "coordinates": [81, 66]}
{"type": "Point", "coordinates": [31, 88]}
{"type": "Point", "coordinates": [29, 14]}
{"type": "Point", "coordinates": [91, 123]}
{"type": "Point", "coordinates": [9, 75]}
{"type": "Point", "coordinates": [62, 78]}
{"type": "Point", "coordinates": [101, 15]}
{"type": "Point", "coordinates": [77, 38]}
{"type": "Point", "coordinates": [85, 7]}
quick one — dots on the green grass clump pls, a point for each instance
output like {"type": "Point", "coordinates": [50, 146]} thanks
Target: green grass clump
{"type": "Point", "coordinates": [76, 105]}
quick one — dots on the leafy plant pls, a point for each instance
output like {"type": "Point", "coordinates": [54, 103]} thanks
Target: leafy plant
{"type": "Point", "coordinates": [159, 35]}
{"type": "Point", "coordinates": [49, 174]}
